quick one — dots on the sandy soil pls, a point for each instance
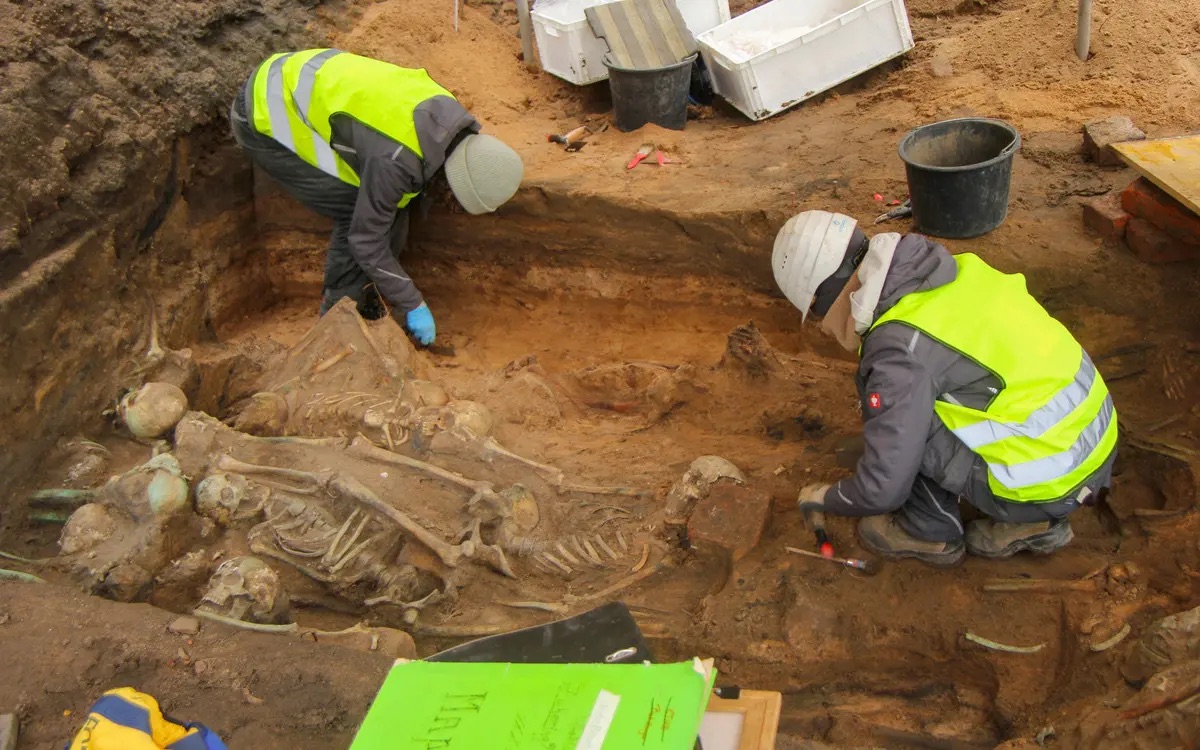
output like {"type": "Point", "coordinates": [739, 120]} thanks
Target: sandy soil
{"type": "Point", "coordinates": [255, 690]}
{"type": "Point", "coordinates": [597, 266]}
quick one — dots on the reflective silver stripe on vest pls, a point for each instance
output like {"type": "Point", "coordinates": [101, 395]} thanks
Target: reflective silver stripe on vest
{"type": "Point", "coordinates": [308, 80]}
{"type": "Point", "coordinates": [281, 126]}
{"type": "Point", "coordinates": [1042, 419]}
{"type": "Point", "coordinates": [1059, 465]}
{"type": "Point", "coordinates": [326, 160]}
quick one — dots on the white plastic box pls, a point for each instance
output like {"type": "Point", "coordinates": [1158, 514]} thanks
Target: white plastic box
{"type": "Point", "coordinates": [779, 54]}
{"type": "Point", "coordinates": [568, 48]}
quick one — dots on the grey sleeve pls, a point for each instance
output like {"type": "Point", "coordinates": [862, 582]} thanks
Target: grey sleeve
{"type": "Point", "coordinates": [383, 182]}
{"type": "Point", "coordinates": [898, 412]}
{"type": "Point", "coordinates": [438, 120]}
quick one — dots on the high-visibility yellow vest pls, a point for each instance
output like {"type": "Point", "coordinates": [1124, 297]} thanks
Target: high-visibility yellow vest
{"type": "Point", "coordinates": [296, 93]}
{"type": "Point", "coordinates": [1052, 423]}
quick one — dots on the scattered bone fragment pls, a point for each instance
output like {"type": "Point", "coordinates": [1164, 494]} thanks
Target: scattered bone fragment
{"type": "Point", "coordinates": [1167, 642]}
{"type": "Point", "coordinates": [703, 473]}
{"type": "Point", "coordinates": [86, 463]}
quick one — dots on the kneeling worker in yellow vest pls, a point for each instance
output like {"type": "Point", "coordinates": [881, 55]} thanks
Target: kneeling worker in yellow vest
{"type": "Point", "coordinates": [356, 140]}
{"type": "Point", "coordinates": [968, 389]}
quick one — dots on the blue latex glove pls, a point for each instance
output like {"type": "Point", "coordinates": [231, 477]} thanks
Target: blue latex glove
{"type": "Point", "coordinates": [420, 323]}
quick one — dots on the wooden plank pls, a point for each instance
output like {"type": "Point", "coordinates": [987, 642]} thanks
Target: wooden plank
{"type": "Point", "coordinates": [1171, 163]}
{"type": "Point", "coordinates": [759, 710]}
{"type": "Point", "coordinates": [525, 24]}
{"type": "Point", "coordinates": [642, 34]}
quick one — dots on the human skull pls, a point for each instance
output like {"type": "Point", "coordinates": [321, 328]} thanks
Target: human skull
{"type": "Point", "coordinates": [153, 410]}
{"type": "Point", "coordinates": [88, 526]}
{"type": "Point", "coordinates": [246, 588]}
{"type": "Point", "coordinates": [471, 416]}
{"type": "Point", "coordinates": [422, 393]}
{"type": "Point", "coordinates": [220, 496]}
{"type": "Point", "coordinates": [266, 414]}
{"type": "Point", "coordinates": [156, 489]}
{"type": "Point", "coordinates": [704, 472]}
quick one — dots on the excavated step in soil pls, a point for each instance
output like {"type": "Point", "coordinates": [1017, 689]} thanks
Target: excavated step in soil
{"type": "Point", "coordinates": [622, 405]}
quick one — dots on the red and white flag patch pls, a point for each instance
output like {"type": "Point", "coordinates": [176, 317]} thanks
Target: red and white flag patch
{"type": "Point", "coordinates": [874, 401]}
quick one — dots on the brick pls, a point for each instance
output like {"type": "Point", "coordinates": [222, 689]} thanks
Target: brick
{"type": "Point", "coordinates": [1099, 136]}
{"type": "Point", "coordinates": [1146, 200]}
{"type": "Point", "coordinates": [1153, 245]}
{"type": "Point", "coordinates": [1104, 216]}
{"type": "Point", "coordinates": [732, 516]}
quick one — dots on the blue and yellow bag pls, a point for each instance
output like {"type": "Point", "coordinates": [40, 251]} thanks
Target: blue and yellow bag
{"type": "Point", "coordinates": [124, 719]}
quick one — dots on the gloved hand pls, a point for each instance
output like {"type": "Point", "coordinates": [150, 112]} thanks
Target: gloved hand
{"type": "Point", "coordinates": [812, 498]}
{"type": "Point", "coordinates": [419, 322]}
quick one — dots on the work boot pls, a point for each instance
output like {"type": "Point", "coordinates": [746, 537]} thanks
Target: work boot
{"type": "Point", "coordinates": [995, 539]}
{"type": "Point", "coordinates": [884, 536]}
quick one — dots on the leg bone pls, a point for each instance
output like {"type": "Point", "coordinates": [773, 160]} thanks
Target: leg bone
{"type": "Point", "coordinates": [492, 449]}
{"type": "Point", "coordinates": [311, 481]}
{"type": "Point", "coordinates": [553, 474]}
{"type": "Point", "coordinates": [364, 449]}
{"type": "Point", "coordinates": [357, 491]}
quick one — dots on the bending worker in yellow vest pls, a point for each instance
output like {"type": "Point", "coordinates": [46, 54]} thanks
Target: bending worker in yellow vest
{"type": "Point", "coordinates": [357, 140]}
{"type": "Point", "coordinates": [968, 389]}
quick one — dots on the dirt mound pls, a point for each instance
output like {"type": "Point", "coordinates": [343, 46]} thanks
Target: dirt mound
{"type": "Point", "coordinates": [1014, 59]}
{"type": "Point", "coordinates": [255, 690]}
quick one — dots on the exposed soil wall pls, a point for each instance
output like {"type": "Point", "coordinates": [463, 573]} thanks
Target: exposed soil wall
{"type": "Point", "coordinates": [118, 185]}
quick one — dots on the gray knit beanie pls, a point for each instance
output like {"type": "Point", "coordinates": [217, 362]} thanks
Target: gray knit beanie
{"type": "Point", "coordinates": [483, 173]}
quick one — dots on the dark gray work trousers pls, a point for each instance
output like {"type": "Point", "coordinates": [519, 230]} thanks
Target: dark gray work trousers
{"type": "Point", "coordinates": [931, 511]}
{"type": "Point", "coordinates": [327, 196]}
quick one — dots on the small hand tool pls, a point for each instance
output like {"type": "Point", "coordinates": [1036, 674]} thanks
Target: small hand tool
{"type": "Point", "coordinates": [574, 140]}
{"type": "Point", "coordinates": [816, 520]}
{"type": "Point", "coordinates": [904, 209]}
{"type": "Point", "coordinates": [868, 567]}
{"type": "Point", "coordinates": [640, 156]}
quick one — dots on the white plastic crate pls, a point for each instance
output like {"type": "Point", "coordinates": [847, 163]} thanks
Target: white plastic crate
{"type": "Point", "coordinates": [568, 48]}
{"type": "Point", "coordinates": [779, 54]}
{"type": "Point", "coordinates": [702, 15]}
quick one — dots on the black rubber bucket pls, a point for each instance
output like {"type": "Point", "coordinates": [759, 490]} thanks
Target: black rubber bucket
{"type": "Point", "coordinates": [657, 95]}
{"type": "Point", "coordinates": [958, 175]}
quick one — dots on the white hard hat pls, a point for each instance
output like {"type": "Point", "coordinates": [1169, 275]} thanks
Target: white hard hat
{"type": "Point", "coordinates": [808, 250]}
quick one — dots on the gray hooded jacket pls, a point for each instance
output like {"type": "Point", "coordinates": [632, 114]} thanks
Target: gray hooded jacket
{"type": "Point", "coordinates": [901, 373]}
{"type": "Point", "coordinates": [387, 171]}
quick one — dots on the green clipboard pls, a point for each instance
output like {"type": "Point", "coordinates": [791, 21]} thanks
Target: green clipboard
{"type": "Point", "coordinates": [481, 706]}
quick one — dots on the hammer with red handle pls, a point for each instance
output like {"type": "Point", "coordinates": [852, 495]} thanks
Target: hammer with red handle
{"type": "Point", "coordinates": [816, 520]}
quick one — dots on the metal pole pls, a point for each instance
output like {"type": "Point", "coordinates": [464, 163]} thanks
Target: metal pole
{"type": "Point", "coordinates": [1083, 30]}
{"type": "Point", "coordinates": [527, 33]}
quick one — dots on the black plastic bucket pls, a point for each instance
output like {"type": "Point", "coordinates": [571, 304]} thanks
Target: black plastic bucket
{"type": "Point", "coordinates": [958, 175]}
{"type": "Point", "coordinates": [657, 95]}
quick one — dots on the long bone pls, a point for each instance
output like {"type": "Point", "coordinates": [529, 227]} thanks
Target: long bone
{"type": "Point", "coordinates": [362, 448]}
{"type": "Point", "coordinates": [490, 450]}
{"type": "Point", "coordinates": [351, 488]}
